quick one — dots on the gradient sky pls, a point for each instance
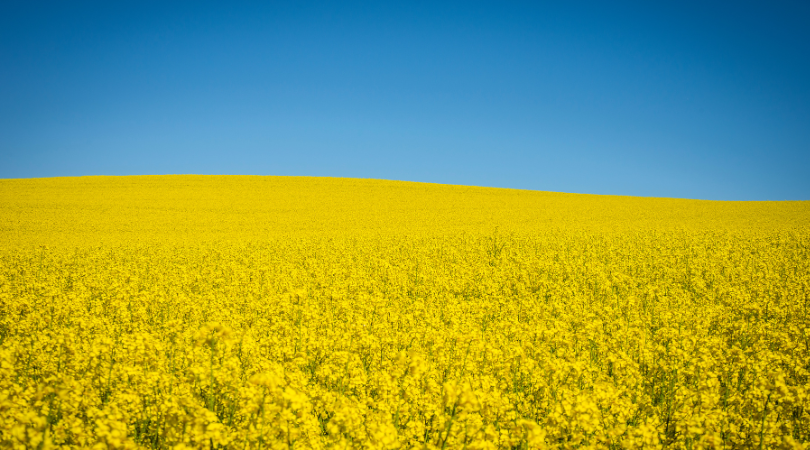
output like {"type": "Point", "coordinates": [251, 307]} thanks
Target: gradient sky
{"type": "Point", "coordinates": [697, 100]}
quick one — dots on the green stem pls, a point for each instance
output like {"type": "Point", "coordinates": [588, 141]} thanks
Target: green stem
{"type": "Point", "coordinates": [449, 426]}
{"type": "Point", "coordinates": [211, 378]}
{"type": "Point", "coordinates": [762, 424]}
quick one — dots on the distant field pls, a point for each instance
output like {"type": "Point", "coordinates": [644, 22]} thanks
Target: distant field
{"type": "Point", "coordinates": [294, 312]}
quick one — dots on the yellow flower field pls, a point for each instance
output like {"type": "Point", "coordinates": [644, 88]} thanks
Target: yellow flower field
{"type": "Point", "coordinates": [308, 313]}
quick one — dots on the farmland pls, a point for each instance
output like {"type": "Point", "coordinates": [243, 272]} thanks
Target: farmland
{"type": "Point", "coordinates": [294, 312]}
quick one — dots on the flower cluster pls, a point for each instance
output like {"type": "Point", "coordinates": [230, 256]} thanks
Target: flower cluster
{"type": "Point", "coordinates": [447, 318]}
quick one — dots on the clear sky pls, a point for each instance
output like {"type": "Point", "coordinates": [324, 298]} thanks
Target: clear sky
{"type": "Point", "coordinates": [698, 100]}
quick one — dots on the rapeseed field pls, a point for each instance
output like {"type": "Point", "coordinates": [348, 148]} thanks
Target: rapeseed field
{"type": "Point", "coordinates": [313, 313]}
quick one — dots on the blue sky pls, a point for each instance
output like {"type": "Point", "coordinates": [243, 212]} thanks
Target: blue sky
{"type": "Point", "coordinates": [696, 100]}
